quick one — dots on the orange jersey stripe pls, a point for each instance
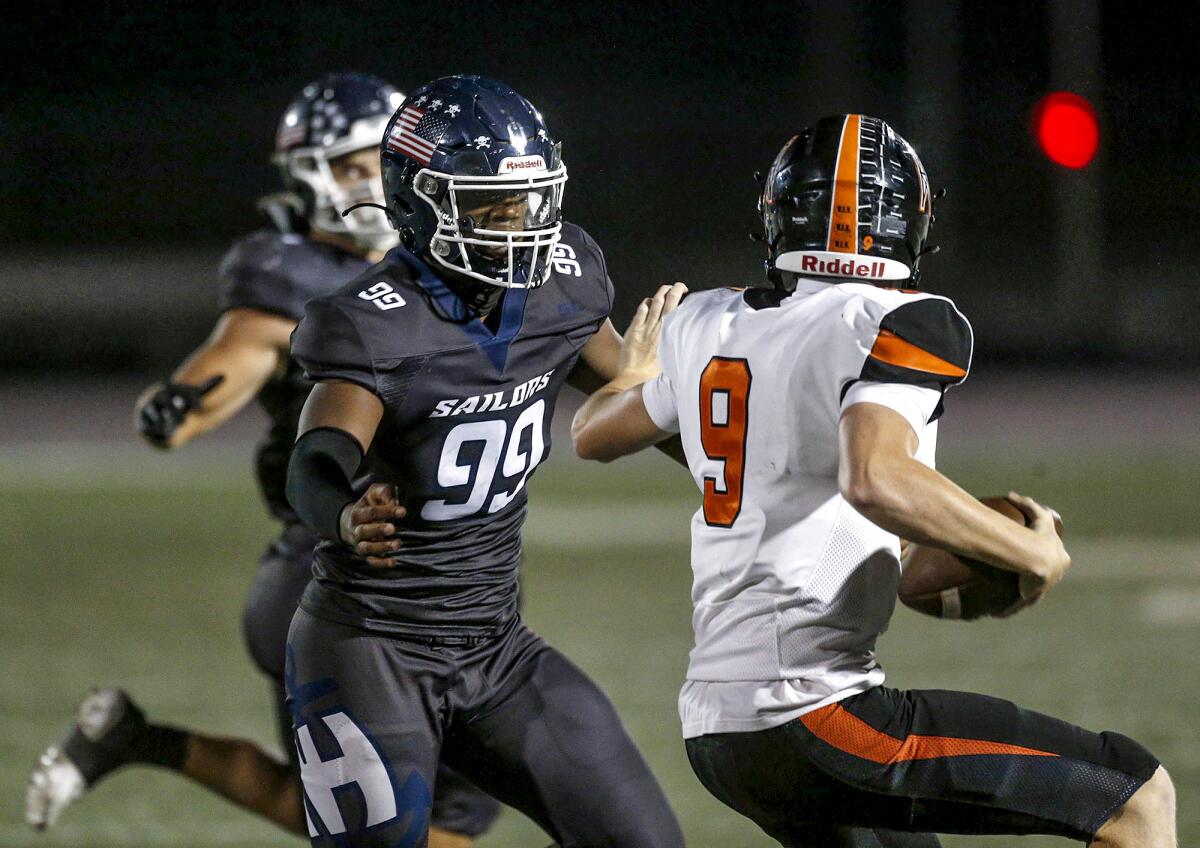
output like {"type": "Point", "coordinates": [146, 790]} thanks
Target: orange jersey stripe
{"type": "Point", "coordinates": [843, 218]}
{"type": "Point", "coordinates": [846, 732]}
{"type": "Point", "coordinates": [894, 350]}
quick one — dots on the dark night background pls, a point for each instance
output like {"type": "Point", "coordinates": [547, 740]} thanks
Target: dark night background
{"type": "Point", "coordinates": [135, 139]}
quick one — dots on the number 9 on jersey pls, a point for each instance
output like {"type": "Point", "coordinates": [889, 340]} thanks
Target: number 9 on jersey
{"type": "Point", "coordinates": [724, 417]}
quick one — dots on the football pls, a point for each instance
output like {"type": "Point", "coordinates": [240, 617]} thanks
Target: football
{"type": "Point", "coordinates": [944, 585]}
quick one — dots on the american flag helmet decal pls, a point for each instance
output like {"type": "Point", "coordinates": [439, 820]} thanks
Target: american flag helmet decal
{"type": "Point", "coordinates": [416, 133]}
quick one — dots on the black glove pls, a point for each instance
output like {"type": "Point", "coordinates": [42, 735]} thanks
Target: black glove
{"type": "Point", "coordinates": [165, 410]}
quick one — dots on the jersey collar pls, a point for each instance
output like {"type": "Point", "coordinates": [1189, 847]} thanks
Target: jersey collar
{"type": "Point", "coordinates": [494, 345]}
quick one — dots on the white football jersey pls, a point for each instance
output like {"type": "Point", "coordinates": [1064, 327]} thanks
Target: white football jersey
{"type": "Point", "coordinates": [792, 585]}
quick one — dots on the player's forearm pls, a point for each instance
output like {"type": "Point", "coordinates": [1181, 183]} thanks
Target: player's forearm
{"type": "Point", "coordinates": [592, 422]}
{"type": "Point", "coordinates": [240, 371]}
{"type": "Point", "coordinates": [613, 422]}
{"type": "Point", "coordinates": [196, 424]}
{"type": "Point", "coordinates": [246, 368]}
{"type": "Point", "coordinates": [912, 500]}
{"type": "Point", "coordinates": [320, 471]}
{"type": "Point", "coordinates": [212, 414]}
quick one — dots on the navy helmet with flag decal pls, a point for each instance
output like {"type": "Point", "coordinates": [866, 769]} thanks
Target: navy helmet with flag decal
{"type": "Point", "coordinates": [473, 182]}
{"type": "Point", "coordinates": [332, 116]}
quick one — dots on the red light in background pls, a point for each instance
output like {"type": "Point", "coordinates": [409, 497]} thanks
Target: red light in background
{"type": "Point", "coordinates": [1066, 128]}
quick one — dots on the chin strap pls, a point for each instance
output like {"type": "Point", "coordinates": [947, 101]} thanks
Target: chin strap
{"type": "Point", "coordinates": [480, 298]}
{"type": "Point", "coordinates": [369, 205]}
{"type": "Point", "coordinates": [285, 211]}
{"type": "Point", "coordinates": [928, 250]}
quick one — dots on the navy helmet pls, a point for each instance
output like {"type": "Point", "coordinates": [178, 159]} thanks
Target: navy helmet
{"type": "Point", "coordinates": [846, 197]}
{"type": "Point", "coordinates": [332, 116]}
{"type": "Point", "coordinates": [473, 181]}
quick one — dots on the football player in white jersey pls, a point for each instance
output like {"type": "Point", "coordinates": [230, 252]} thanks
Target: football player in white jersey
{"type": "Point", "coordinates": [809, 415]}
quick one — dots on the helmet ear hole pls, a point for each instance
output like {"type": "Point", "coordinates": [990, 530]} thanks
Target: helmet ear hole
{"type": "Point", "coordinates": [403, 204]}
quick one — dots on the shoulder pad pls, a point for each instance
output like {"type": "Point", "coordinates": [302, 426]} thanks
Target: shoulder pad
{"type": "Point", "coordinates": [328, 345]}
{"type": "Point", "coordinates": [694, 303]}
{"type": "Point", "coordinates": [718, 297]}
{"type": "Point", "coordinates": [693, 308]}
{"type": "Point", "coordinates": [582, 271]}
{"type": "Point", "coordinates": [256, 274]}
{"type": "Point", "coordinates": [924, 341]}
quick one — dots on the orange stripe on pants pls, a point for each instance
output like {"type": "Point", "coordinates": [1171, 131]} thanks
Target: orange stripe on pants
{"type": "Point", "coordinates": [838, 727]}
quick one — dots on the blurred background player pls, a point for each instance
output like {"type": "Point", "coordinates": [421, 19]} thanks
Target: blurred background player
{"type": "Point", "coordinates": [809, 417]}
{"type": "Point", "coordinates": [437, 373]}
{"type": "Point", "coordinates": [327, 150]}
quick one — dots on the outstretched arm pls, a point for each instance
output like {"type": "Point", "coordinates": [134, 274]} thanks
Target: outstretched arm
{"type": "Point", "coordinates": [613, 422]}
{"type": "Point", "coordinates": [880, 477]}
{"type": "Point", "coordinates": [220, 377]}
{"type": "Point", "coordinates": [600, 363]}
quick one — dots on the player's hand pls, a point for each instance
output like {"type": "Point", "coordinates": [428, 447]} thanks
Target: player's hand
{"type": "Point", "coordinates": [158, 415]}
{"type": "Point", "coordinates": [639, 348]}
{"type": "Point", "coordinates": [368, 525]}
{"type": "Point", "coordinates": [1051, 558]}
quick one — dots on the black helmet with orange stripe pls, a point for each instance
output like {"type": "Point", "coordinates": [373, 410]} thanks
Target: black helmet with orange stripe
{"type": "Point", "coordinates": [846, 198]}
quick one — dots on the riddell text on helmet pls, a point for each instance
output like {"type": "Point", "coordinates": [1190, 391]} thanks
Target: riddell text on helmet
{"type": "Point", "coordinates": [842, 268]}
{"type": "Point", "coordinates": [830, 264]}
{"type": "Point", "coordinates": [521, 163]}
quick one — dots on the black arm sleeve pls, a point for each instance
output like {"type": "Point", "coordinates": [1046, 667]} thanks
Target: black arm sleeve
{"type": "Point", "coordinates": [323, 463]}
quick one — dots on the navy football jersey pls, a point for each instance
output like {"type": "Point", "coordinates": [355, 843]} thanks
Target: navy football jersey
{"type": "Point", "coordinates": [278, 273]}
{"type": "Point", "coordinates": [466, 422]}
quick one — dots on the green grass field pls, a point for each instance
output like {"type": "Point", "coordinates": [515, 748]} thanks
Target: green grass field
{"type": "Point", "coordinates": [106, 579]}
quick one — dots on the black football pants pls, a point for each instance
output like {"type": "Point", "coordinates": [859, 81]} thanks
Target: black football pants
{"type": "Point", "coordinates": [283, 571]}
{"type": "Point", "coordinates": [889, 767]}
{"type": "Point", "coordinates": [374, 714]}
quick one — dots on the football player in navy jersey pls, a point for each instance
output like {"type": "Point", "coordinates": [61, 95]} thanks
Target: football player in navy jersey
{"type": "Point", "coordinates": [437, 373]}
{"type": "Point", "coordinates": [327, 151]}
